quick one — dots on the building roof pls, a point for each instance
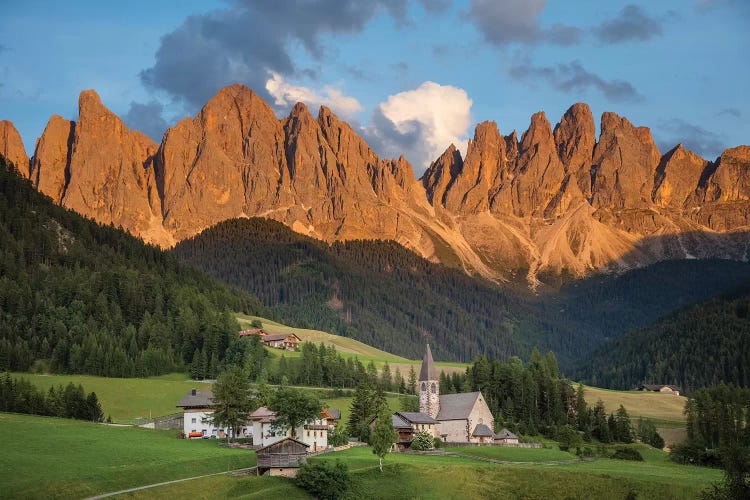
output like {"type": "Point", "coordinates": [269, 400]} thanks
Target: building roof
{"type": "Point", "coordinates": [399, 423]}
{"type": "Point", "coordinates": [416, 417]}
{"type": "Point", "coordinates": [278, 336]}
{"type": "Point", "coordinates": [428, 366]}
{"type": "Point", "coordinates": [658, 387]}
{"type": "Point", "coordinates": [262, 415]}
{"type": "Point", "coordinates": [334, 413]}
{"type": "Point", "coordinates": [282, 442]}
{"type": "Point", "coordinates": [482, 430]}
{"type": "Point", "coordinates": [253, 331]}
{"type": "Point", "coordinates": [196, 399]}
{"type": "Point", "coordinates": [457, 406]}
{"type": "Point", "coordinates": [505, 434]}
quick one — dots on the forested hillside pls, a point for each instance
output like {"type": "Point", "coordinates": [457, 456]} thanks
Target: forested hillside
{"type": "Point", "coordinates": [699, 346]}
{"type": "Point", "coordinates": [77, 297]}
{"type": "Point", "coordinates": [386, 296]}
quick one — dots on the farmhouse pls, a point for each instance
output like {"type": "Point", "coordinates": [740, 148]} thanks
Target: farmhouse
{"type": "Point", "coordinates": [664, 389]}
{"type": "Point", "coordinates": [198, 413]}
{"type": "Point", "coordinates": [282, 458]}
{"type": "Point", "coordinates": [462, 418]}
{"type": "Point", "coordinates": [407, 424]}
{"type": "Point", "coordinates": [314, 434]}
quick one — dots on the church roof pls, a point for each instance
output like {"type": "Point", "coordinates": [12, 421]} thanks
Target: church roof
{"type": "Point", "coordinates": [482, 430]}
{"type": "Point", "coordinates": [399, 423]}
{"type": "Point", "coordinates": [457, 406]}
{"type": "Point", "coordinates": [428, 366]}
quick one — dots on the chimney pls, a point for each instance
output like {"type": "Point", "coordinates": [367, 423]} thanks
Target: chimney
{"type": "Point", "coordinates": [192, 392]}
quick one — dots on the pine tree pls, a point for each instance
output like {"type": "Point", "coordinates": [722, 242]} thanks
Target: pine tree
{"type": "Point", "coordinates": [412, 384]}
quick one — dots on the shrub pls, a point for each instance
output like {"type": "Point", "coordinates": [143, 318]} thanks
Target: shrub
{"type": "Point", "coordinates": [325, 479]}
{"type": "Point", "coordinates": [422, 441]}
{"type": "Point", "coordinates": [623, 453]}
{"type": "Point", "coordinates": [339, 436]}
{"type": "Point", "coordinates": [437, 443]}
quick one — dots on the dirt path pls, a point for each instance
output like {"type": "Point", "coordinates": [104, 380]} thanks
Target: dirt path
{"type": "Point", "coordinates": [139, 488]}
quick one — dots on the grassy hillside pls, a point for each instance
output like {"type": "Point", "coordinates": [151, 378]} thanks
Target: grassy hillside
{"type": "Point", "coordinates": [46, 457]}
{"type": "Point", "coordinates": [437, 477]}
{"type": "Point", "coordinates": [348, 347]}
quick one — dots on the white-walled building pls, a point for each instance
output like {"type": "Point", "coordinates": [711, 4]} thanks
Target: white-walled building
{"type": "Point", "coordinates": [198, 414]}
{"type": "Point", "coordinates": [312, 433]}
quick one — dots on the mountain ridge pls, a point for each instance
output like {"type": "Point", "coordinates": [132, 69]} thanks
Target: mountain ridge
{"type": "Point", "coordinates": [558, 201]}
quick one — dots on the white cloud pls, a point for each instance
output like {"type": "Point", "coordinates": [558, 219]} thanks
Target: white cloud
{"type": "Point", "coordinates": [286, 94]}
{"type": "Point", "coordinates": [421, 123]}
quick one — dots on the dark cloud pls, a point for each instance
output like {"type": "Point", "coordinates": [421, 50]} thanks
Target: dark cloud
{"type": "Point", "coordinates": [573, 77]}
{"type": "Point", "coordinates": [249, 38]}
{"type": "Point", "coordinates": [733, 112]}
{"type": "Point", "coordinates": [147, 118]}
{"type": "Point", "coordinates": [631, 24]}
{"type": "Point", "coordinates": [695, 138]}
{"type": "Point", "coordinates": [503, 22]}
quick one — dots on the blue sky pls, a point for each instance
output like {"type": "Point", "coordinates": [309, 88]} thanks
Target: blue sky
{"type": "Point", "coordinates": [412, 75]}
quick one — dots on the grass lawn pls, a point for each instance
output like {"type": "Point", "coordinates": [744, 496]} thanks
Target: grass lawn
{"type": "Point", "coordinates": [46, 457]}
{"type": "Point", "coordinates": [662, 407]}
{"type": "Point", "coordinates": [125, 399]}
{"type": "Point", "coordinates": [225, 487]}
{"type": "Point", "coordinates": [515, 454]}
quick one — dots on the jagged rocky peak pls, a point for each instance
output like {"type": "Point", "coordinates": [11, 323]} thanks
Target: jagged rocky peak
{"type": "Point", "coordinates": [226, 162]}
{"type": "Point", "coordinates": [575, 137]}
{"type": "Point", "coordinates": [12, 149]}
{"type": "Point", "coordinates": [440, 173]}
{"type": "Point", "coordinates": [50, 162]}
{"type": "Point", "coordinates": [677, 177]}
{"type": "Point", "coordinates": [109, 173]}
{"type": "Point", "coordinates": [481, 169]}
{"type": "Point", "coordinates": [624, 164]}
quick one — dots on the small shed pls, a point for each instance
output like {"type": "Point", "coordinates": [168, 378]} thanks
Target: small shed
{"type": "Point", "coordinates": [484, 434]}
{"type": "Point", "coordinates": [506, 438]}
{"type": "Point", "coordinates": [282, 458]}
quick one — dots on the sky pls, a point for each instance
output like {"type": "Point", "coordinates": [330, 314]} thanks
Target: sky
{"type": "Point", "coordinates": [412, 76]}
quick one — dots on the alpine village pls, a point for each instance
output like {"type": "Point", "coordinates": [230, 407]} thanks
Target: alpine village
{"type": "Point", "coordinates": [336, 249]}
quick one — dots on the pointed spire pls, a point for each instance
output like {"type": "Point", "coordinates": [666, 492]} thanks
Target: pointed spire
{"type": "Point", "coordinates": [428, 366]}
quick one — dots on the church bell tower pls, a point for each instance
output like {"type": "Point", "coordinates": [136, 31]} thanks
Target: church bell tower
{"type": "Point", "coordinates": [429, 386]}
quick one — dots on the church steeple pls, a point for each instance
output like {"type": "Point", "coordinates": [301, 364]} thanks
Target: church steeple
{"type": "Point", "coordinates": [429, 386]}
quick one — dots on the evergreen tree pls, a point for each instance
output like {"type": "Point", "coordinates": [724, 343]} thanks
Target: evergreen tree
{"type": "Point", "coordinates": [412, 384]}
{"type": "Point", "coordinates": [231, 400]}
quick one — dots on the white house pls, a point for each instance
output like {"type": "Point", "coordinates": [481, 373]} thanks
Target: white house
{"type": "Point", "coordinates": [312, 433]}
{"type": "Point", "coordinates": [198, 414]}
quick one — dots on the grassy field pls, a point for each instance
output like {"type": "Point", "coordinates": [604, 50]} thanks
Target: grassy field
{"type": "Point", "coordinates": [516, 454]}
{"type": "Point", "coordinates": [438, 477]}
{"type": "Point", "coordinates": [57, 458]}
{"type": "Point", "coordinates": [126, 399]}
{"type": "Point", "coordinates": [664, 409]}
{"type": "Point", "coordinates": [46, 457]}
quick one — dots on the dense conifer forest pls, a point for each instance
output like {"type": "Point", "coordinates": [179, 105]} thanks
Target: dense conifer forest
{"type": "Point", "coordinates": [699, 346]}
{"type": "Point", "coordinates": [386, 296]}
{"type": "Point", "coordinates": [77, 297]}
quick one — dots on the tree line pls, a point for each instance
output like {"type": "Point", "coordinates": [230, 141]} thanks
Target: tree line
{"type": "Point", "coordinates": [18, 395]}
{"type": "Point", "coordinates": [79, 297]}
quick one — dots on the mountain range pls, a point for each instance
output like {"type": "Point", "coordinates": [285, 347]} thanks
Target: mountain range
{"type": "Point", "coordinates": [555, 202]}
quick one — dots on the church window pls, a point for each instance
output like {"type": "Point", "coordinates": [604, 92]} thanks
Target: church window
{"type": "Point", "coordinates": [433, 389]}
{"type": "Point", "coordinates": [424, 386]}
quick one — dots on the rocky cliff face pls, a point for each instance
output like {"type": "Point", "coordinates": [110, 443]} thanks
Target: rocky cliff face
{"type": "Point", "coordinates": [11, 147]}
{"type": "Point", "coordinates": [558, 200]}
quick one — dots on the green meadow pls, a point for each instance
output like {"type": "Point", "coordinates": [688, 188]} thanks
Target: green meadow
{"type": "Point", "coordinates": [57, 458]}
{"type": "Point", "coordinates": [45, 457]}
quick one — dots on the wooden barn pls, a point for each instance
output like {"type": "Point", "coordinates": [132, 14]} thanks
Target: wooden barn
{"type": "Point", "coordinates": [282, 458]}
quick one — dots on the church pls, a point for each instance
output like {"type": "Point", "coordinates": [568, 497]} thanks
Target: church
{"type": "Point", "coordinates": [461, 418]}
